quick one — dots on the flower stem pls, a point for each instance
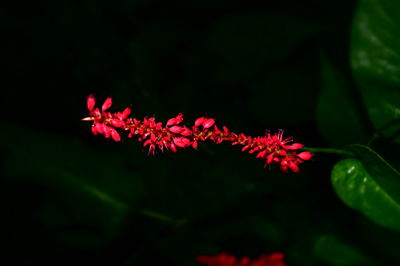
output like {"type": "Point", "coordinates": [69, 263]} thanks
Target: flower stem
{"type": "Point", "coordinates": [162, 217]}
{"type": "Point", "coordinates": [328, 150]}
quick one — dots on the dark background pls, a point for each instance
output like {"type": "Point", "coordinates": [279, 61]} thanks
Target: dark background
{"type": "Point", "coordinates": [68, 197]}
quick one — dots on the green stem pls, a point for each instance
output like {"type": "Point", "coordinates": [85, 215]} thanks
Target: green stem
{"type": "Point", "coordinates": [162, 217]}
{"type": "Point", "coordinates": [328, 150]}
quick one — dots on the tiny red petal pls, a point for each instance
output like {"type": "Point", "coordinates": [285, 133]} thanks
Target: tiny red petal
{"type": "Point", "coordinates": [91, 102]}
{"type": "Point", "coordinates": [208, 123]}
{"type": "Point", "coordinates": [305, 155]}
{"type": "Point", "coordinates": [107, 104]}
{"type": "Point", "coordinates": [199, 121]}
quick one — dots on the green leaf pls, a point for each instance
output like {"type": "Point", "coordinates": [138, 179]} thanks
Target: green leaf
{"type": "Point", "coordinates": [91, 189]}
{"type": "Point", "coordinates": [383, 173]}
{"type": "Point", "coordinates": [333, 117]}
{"type": "Point", "coordinates": [375, 59]}
{"type": "Point", "coordinates": [333, 251]}
{"type": "Point", "coordinates": [360, 190]}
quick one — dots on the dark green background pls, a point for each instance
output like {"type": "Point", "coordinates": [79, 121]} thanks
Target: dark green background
{"type": "Point", "coordinates": [69, 198]}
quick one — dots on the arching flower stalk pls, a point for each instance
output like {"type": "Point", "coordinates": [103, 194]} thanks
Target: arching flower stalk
{"type": "Point", "coordinates": [224, 259]}
{"type": "Point", "coordinates": [271, 148]}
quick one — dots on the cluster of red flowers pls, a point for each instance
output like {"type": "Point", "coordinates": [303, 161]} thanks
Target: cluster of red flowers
{"type": "Point", "coordinates": [224, 259]}
{"type": "Point", "coordinates": [273, 149]}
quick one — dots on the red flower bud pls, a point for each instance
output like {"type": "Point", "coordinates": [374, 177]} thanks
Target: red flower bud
{"type": "Point", "coordinates": [176, 129]}
{"type": "Point", "coordinates": [186, 132]}
{"type": "Point", "coordinates": [107, 131]}
{"type": "Point", "coordinates": [117, 123]}
{"type": "Point", "coordinates": [294, 146]}
{"type": "Point", "coordinates": [182, 142]}
{"type": "Point", "coordinates": [91, 102]}
{"type": "Point", "coordinates": [125, 113]}
{"type": "Point", "coordinates": [115, 135]}
{"type": "Point", "coordinates": [305, 155]}
{"type": "Point", "coordinates": [171, 122]}
{"type": "Point", "coordinates": [107, 104]}
{"type": "Point", "coordinates": [199, 121]}
{"type": "Point", "coordinates": [208, 123]}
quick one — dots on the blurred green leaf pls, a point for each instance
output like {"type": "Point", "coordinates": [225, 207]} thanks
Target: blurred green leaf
{"type": "Point", "coordinates": [360, 190]}
{"type": "Point", "coordinates": [337, 117]}
{"type": "Point", "coordinates": [375, 59]}
{"type": "Point", "coordinates": [285, 96]}
{"type": "Point", "coordinates": [333, 251]}
{"type": "Point", "coordinates": [92, 190]}
{"type": "Point", "coordinates": [257, 37]}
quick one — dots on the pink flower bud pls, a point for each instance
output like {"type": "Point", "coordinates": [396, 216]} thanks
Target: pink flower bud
{"type": "Point", "coordinates": [186, 132]}
{"type": "Point", "coordinates": [171, 122]}
{"type": "Point", "coordinates": [117, 123]}
{"type": "Point", "coordinates": [94, 131]}
{"type": "Point", "coordinates": [125, 113]}
{"type": "Point", "coordinates": [208, 123]}
{"type": "Point", "coordinates": [99, 128]}
{"type": "Point", "coordinates": [261, 154]}
{"type": "Point", "coordinates": [194, 144]}
{"type": "Point", "coordinates": [293, 166]}
{"type": "Point", "coordinates": [115, 135]}
{"type": "Point", "coordinates": [176, 129]}
{"type": "Point", "coordinates": [305, 155]}
{"type": "Point", "coordinates": [107, 104]}
{"type": "Point", "coordinates": [181, 142]}
{"type": "Point", "coordinates": [294, 146]}
{"type": "Point", "coordinates": [91, 102]}
{"type": "Point", "coordinates": [107, 131]}
{"type": "Point", "coordinates": [199, 121]}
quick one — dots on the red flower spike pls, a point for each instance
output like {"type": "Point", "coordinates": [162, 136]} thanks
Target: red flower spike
{"type": "Point", "coordinates": [271, 148]}
{"type": "Point", "coordinates": [224, 259]}
{"type": "Point", "coordinates": [91, 102]}
{"type": "Point", "coordinates": [107, 104]}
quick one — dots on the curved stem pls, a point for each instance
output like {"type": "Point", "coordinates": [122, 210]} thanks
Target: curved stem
{"type": "Point", "coordinates": [162, 217]}
{"type": "Point", "coordinates": [328, 150]}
